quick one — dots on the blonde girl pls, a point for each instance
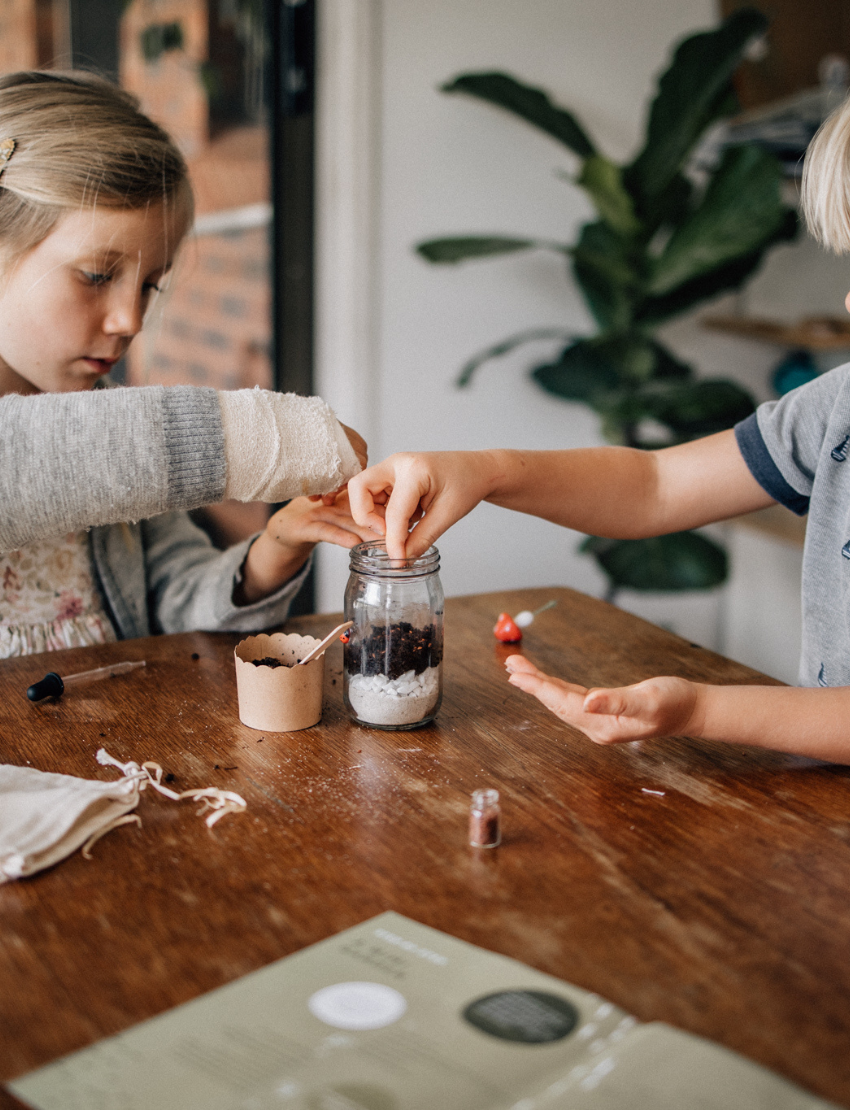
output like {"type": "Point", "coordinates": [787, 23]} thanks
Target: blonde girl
{"type": "Point", "coordinates": [94, 482]}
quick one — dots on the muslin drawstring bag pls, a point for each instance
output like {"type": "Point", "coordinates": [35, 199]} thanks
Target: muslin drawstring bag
{"type": "Point", "coordinates": [44, 817]}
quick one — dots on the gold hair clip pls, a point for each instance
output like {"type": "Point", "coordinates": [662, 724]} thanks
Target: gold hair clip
{"type": "Point", "coordinates": [7, 149]}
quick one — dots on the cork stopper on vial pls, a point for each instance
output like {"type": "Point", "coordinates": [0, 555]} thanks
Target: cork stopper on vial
{"type": "Point", "coordinates": [485, 819]}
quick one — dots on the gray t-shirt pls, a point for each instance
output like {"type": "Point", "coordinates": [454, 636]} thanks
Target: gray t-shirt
{"type": "Point", "coordinates": [798, 449]}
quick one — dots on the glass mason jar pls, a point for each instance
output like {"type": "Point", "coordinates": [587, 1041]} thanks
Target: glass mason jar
{"type": "Point", "coordinates": [393, 669]}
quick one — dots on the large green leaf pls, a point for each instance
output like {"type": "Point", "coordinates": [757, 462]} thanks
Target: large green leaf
{"type": "Point", "coordinates": [606, 276]}
{"type": "Point", "coordinates": [504, 346]}
{"type": "Point", "coordinates": [531, 104]}
{"type": "Point", "coordinates": [603, 181]}
{"type": "Point", "coordinates": [472, 246]}
{"type": "Point", "coordinates": [731, 275]}
{"type": "Point", "coordinates": [668, 367]}
{"type": "Point", "coordinates": [667, 209]}
{"type": "Point", "coordinates": [688, 408]}
{"type": "Point", "coordinates": [680, 561]}
{"type": "Point", "coordinates": [691, 94]}
{"type": "Point", "coordinates": [590, 371]}
{"type": "Point", "coordinates": [580, 373]}
{"type": "Point", "coordinates": [613, 374]}
{"type": "Point", "coordinates": [694, 409]}
{"type": "Point", "coordinates": [741, 211]}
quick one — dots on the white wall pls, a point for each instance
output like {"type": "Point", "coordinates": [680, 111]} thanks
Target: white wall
{"type": "Point", "coordinates": [448, 164]}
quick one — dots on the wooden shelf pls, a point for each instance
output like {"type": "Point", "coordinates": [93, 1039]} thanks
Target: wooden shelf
{"type": "Point", "coordinates": [815, 333]}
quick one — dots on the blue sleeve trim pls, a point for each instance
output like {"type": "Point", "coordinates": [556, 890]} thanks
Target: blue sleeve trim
{"type": "Point", "coordinates": [764, 469]}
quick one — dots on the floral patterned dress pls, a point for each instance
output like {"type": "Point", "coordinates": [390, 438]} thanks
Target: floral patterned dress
{"type": "Point", "coordinates": [48, 599]}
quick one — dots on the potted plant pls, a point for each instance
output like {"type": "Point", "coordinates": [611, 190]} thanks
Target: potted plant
{"type": "Point", "coordinates": [665, 238]}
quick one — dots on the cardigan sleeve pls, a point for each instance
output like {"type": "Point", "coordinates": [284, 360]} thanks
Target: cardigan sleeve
{"type": "Point", "coordinates": [78, 460]}
{"type": "Point", "coordinates": [190, 585]}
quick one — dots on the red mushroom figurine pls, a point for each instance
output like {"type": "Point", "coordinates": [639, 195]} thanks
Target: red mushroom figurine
{"type": "Point", "coordinates": [507, 630]}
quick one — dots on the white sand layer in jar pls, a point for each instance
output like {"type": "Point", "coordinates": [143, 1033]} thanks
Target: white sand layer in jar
{"type": "Point", "coordinates": [379, 700]}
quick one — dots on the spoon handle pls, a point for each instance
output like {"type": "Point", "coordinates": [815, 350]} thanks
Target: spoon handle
{"type": "Point", "coordinates": [319, 648]}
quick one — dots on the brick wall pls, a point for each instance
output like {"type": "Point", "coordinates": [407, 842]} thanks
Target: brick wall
{"type": "Point", "coordinates": [213, 326]}
{"type": "Point", "coordinates": [170, 88]}
{"type": "Point", "coordinates": [32, 33]}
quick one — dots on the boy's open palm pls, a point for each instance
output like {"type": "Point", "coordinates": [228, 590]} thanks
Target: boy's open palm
{"type": "Point", "coordinates": [655, 707]}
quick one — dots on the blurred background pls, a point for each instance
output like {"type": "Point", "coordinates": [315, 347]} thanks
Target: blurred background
{"type": "Point", "coordinates": [323, 151]}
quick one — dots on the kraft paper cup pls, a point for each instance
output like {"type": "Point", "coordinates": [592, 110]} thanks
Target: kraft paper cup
{"type": "Point", "coordinates": [279, 699]}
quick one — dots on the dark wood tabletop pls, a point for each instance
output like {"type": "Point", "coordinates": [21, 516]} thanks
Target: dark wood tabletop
{"type": "Point", "coordinates": [693, 883]}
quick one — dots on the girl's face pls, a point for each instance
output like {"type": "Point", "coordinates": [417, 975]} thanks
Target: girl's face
{"type": "Point", "coordinates": [70, 306]}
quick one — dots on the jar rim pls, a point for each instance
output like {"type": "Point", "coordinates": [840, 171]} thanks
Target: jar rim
{"type": "Point", "coordinates": [371, 558]}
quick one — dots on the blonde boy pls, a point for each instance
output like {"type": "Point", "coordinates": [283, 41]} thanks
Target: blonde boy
{"type": "Point", "coordinates": [793, 451]}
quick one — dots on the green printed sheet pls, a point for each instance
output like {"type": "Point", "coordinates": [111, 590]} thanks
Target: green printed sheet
{"type": "Point", "coordinates": [393, 1015]}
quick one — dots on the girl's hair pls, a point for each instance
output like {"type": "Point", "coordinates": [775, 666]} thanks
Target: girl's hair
{"type": "Point", "coordinates": [80, 141]}
{"type": "Point", "coordinates": [826, 182]}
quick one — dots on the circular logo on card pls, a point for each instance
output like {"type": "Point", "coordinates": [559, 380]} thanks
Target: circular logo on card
{"type": "Point", "coordinates": [528, 1017]}
{"type": "Point", "coordinates": [357, 1005]}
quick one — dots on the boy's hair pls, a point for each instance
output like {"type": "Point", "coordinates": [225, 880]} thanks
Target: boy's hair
{"type": "Point", "coordinates": [80, 141]}
{"type": "Point", "coordinates": [826, 182]}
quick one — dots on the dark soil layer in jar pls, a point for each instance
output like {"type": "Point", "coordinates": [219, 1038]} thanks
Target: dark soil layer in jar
{"type": "Point", "coordinates": [270, 661]}
{"type": "Point", "coordinates": [394, 650]}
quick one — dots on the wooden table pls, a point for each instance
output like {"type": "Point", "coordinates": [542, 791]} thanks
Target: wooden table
{"type": "Point", "coordinates": [718, 902]}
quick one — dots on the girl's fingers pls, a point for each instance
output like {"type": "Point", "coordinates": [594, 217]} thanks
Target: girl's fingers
{"type": "Point", "coordinates": [358, 443]}
{"type": "Point", "coordinates": [341, 537]}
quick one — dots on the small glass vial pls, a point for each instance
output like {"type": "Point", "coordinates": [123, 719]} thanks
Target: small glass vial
{"type": "Point", "coordinates": [485, 819]}
{"type": "Point", "coordinates": [393, 660]}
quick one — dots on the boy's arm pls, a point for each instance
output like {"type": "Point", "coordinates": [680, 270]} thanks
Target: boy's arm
{"type": "Point", "coordinates": [805, 721]}
{"type": "Point", "coordinates": [604, 491]}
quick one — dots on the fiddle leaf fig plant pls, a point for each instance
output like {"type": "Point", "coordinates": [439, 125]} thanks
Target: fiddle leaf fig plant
{"type": "Point", "coordinates": [665, 238]}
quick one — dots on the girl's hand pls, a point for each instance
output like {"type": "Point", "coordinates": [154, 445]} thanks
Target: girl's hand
{"type": "Point", "coordinates": [654, 707]}
{"type": "Point", "coordinates": [300, 525]}
{"type": "Point", "coordinates": [360, 449]}
{"type": "Point", "coordinates": [290, 535]}
{"type": "Point", "coordinates": [358, 443]}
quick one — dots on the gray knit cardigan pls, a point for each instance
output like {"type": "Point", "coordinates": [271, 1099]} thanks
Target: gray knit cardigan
{"type": "Point", "coordinates": [142, 456]}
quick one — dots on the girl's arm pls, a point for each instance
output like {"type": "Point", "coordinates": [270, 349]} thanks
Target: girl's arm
{"type": "Point", "coordinates": [805, 721]}
{"type": "Point", "coordinates": [604, 491]}
{"type": "Point", "coordinates": [75, 460]}
{"type": "Point", "coordinates": [290, 536]}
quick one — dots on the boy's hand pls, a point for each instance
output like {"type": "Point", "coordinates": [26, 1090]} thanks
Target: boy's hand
{"type": "Point", "coordinates": [440, 486]}
{"type": "Point", "coordinates": [290, 535]}
{"type": "Point", "coordinates": [654, 707]}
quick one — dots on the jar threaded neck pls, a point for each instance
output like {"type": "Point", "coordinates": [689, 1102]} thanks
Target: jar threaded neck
{"type": "Point", "coordinates": [372, 558]}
